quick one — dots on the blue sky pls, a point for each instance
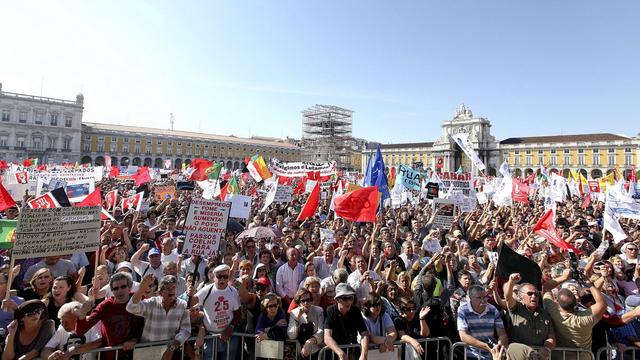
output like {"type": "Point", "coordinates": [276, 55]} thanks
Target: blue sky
{"type": "Point", "coordinates": [250, 67]}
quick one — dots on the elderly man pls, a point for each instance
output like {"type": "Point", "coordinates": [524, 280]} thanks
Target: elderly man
{"type": "Point", "coordinates": [328, 285]}
{"type": "Point", "coordinates": [65, 343]}
{"type": "Point", "coordinates": [289, 276]}
{"type": "Point", "coordinates": [477, 323]}
{"type": "Point", "coordinates": [344, 322]}
{"type": "Point", "coordinates": [531, 325]}
{"type": "Point", "coordinates": [362, 279]}
{"type": "Point", "coordinates": [326, 263]}
{"type": "Point", "coordinates": [154, 266]}
{"type": "Point", "coordinates": [165, 316]}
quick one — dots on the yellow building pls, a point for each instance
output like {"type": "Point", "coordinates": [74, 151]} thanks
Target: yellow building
{"type": "Point", "coordinates": [132, 145]}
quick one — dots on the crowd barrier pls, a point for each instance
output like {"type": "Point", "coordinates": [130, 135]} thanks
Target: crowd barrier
{"type": "Point", "coordinates": [609, 352]}
{"type": "Point", "coordinates": [439, 346]}
{"type": "Point", "coordinates": [558, 353]}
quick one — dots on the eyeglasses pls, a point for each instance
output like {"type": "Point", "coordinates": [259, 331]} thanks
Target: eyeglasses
{"type": "Point", "coordinates": [305, 300]}
{"type": "Point", "coordinates": [121, 287]}
{"type": "Point", "coordinates": [408, 309]}
{"type": "Point", "coordinates": [35, 312]}
{"type": "Point", "coordinates": [632, 249]}
{"type": "Point", "coordinates": [271, 306]}
{"type": "Point", "coordinates": [222, 277]}
{"type": "Point", "coordinates": [531, 293]}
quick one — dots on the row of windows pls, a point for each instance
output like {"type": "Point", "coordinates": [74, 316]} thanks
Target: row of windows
{"type": "Point", "coordinates": [38, 118]}
{"type": "Point", "coordinates": [36, 142]}
{"type": "Point", "coordinates": [568, 151]}
{"type": "Point", "coordinates": [553, 160]}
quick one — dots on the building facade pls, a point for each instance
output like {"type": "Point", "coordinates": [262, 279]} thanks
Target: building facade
{"type": "Point", "coordinates": [39, 127]}
{"type": "Point", "coordinates": [594, 155]}
{"type": "Point", "coordinates": [133, 145]}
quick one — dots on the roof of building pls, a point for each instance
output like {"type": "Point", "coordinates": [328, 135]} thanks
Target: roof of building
{"type": "Point", "coordinates": [563, 138]}
{"type": "Point", "coordinates": [188, 134]}
{"type": "Point", "coordinates": [406, 145]}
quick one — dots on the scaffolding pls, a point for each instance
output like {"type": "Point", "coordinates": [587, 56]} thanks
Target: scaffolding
{"type": "Point", "coordinates": [326, 135]}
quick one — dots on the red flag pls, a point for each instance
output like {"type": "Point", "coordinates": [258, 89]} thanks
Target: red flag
{"type": "Point", "coordinates": [357, 205]}
{"type": "Point", "coordinates": [634, 174]}
{"type": "Point", "coordinates": [46, 201]}
{"type": "Point", "coordinates": [133, 202]}
{"type": "Point", "coordinates": [580, 188]}
{"type": "Point", "coordinates": [301, 186]}
{"type": "Point", "coordinates": [440, 163]}
{"type": "Point", "coordinates": [310, 207]}
{"type": "Point", "coordinates": [520, 191]}
{"type": "Point", "coordinates": [547, 230]}
{"type": "Point", "coordinates": [587, 202]}
{"type": "Point", "coordinates": [93, 199]}
{"type": "Point", "coordinates": [4, 165]}
{"type": "Point", "coordinates": [115, 171]}
{"type": "Point", "coordinates": [22, 177]}
{"type": "Point", "coordinates": [6, 201]}
{"type": "Point", "coordinates": [142, 176]}
{"type": "Point", "coordinates": [284, 180]}
{"type": "Point", "coordinates": [26, 162]}
{"type": "Point", "coordinates": [594, 186]}
{"type": "Point", "coordinates": [223, 191]}
{"type": "Point", "coordinates": [111, 198]}
{"type": "Point", "coordinates": [200, 166]}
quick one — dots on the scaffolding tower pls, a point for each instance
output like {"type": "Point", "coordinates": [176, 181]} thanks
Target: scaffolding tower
{"type": "Point", "coordinates": [326, 134]}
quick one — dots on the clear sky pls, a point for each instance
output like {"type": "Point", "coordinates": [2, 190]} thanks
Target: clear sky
{"type": "Point", "coordinates": [250, 67]}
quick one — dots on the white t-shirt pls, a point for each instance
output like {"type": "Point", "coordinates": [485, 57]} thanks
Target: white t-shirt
{"type": "Point", "coordinates": [171, 257]}
{"type": "Point", "coordinates": [219, 306]}
{"type": "Point", "coordinates": [60, 338]}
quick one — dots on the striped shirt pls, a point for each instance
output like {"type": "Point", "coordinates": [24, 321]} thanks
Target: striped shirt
{"type": "Point", "coordinates": [480, 326]}
{"type": "Point", "coordinates": [160, 325]}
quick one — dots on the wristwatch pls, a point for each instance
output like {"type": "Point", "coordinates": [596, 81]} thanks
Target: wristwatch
{"type": "Point", "coordinates": [171, 347]}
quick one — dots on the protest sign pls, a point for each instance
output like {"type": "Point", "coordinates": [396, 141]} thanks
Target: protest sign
{"type": "Point", "coordinates": [22, 177]}
{"type": "Point", "coordinates": [432, 190]}
{"type": "Point", "coordinates": [482, 198]}
{"type": "Point", "coordinates": [240, 206]}
{"type": "Point", "coordinates": [77, 190]}
{"type": "Point", "coordinates": [205, 225]}
{"type": "Point", "coordinates": [299, 169]}
{"type": "Point", "coordinates": [445, 212]}
{"type": "Point", "coordinates": [96, 173]}
{"type": "Point", "coordinates": [327, 236]}
{"type": "Point", "coordinates": [463, 181]}
{"type": "Point", "coordinates": [17, 191]}
{"type": "Point", "coordinates": [57, 231]}
{"type": "Point", "coordinates": [410, 178]}
{"type": "Point", "coordinates": [164, 192]}
{"type": "Point", "coordinates": [283, 194]}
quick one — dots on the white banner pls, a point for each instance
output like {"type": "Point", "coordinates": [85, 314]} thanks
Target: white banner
{"type": "Point", "coordinates": [57, 231]}
{"type": "Point", "coordinates": [462, 140]}
{"type": "Point", "coordinates": [96, 173]}
{"type": "Point", "coordinates": [462, 182]}
{"type": "Point", "coordinates": [299, 169]}
{"type": "Point", "coordinates": [205, 226]}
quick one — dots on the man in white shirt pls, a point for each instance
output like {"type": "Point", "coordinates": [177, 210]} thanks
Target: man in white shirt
{"type": "Point", "coordinates": [325, 264]}
{"type": "Point", "coordinates": [65, 343]}
{"type": "Point", "coordinates": [362, 279]}
{"type": "Point", "coordinates": [154, 266]}
{"type": "Point", "coordinates": [289, 276]}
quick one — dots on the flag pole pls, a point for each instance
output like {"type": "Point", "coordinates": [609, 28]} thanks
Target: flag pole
{"type": "Point", "coordinates": [9, 278]}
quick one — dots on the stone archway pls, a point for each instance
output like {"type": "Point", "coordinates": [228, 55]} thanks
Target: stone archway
{"type": "Point", "coordinates": [584, 173]}
{"type": "Point", "coordinates": [178, 164]}
{"type": "Point", "coordinates": [528, 171]}
{"type": "Point", "coordinates": [114, 161]}
{"type": "Point", "coordinates": [517, 173]}
{"type": "Point", "coordinates": [596, 173]}
{"type": "Point", "coordinates": [136, 161]}
{"type": "Point", "coordinates": [158, 163]}
{"type": "Point", "coordinates": [236, 165]}
{"type": "Point", "coordinates": [86, 160]}
{"type": "Point", "coordinates": [124, 161]}
{"type": "Point", "coordinates": [99, 161]}
{"type": "Point", "coordinates": [148, 162]}
{"type": "Point", "coordinates": [566, 173]}
{"type": "Point", "coordinates": [229, 165]}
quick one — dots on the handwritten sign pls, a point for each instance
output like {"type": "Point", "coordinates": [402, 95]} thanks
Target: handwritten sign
{"type": "Point", "coordinates": [283, 194]}
{"type": "Point", "coordinates": [205, 226]}
{"type": "Point", "coordinates": [58, 231]}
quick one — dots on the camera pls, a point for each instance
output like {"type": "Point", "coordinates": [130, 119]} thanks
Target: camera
{"type": "Point", "coordinates": [575, 272]}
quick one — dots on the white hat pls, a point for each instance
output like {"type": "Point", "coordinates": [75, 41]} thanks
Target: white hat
{"type": "Point", "coordinates": [221, 268]}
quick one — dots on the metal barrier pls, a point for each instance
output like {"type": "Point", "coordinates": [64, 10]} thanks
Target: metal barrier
{"type": "Point", "coordinates": [556, 353]}
{"type": "Point", "coordinates": [442, 346]}
{"type": "Point", "coordinates": [239, 349]}
{"type": "Point", "coordinates": [629, 353]}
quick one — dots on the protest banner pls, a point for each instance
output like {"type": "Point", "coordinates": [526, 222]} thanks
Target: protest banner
{"type": "Point", "coordinates": [410, 178]}
{"type": "Point", "coordinates": [164, 192]}
{"type": "Point", "coordinates": [205, 226]}
{"type": "Point", "coordinates": [465, 203]}
{"type": "Point", "coordinates": [96, 173]}
{"type": "Point", "coordinates": [463, 181]}
{"type": "Point", "coordinates": [57, 231]}
{"type": "Point", "coordinates": [327, 236]}
{"type": "Point", "coordinates": [283, 194]}
{"type": "Point", "coordinates": [240, 206]}
{"type": "Point", "coordinates": [432, 190]}
{"type": "Point", "coordinates": [445, 212]}
{"type": "Point", "coordinates": [299, 169]}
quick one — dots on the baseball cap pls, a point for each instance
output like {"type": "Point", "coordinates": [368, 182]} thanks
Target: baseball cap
{"type": "Point", "coordinates": [263, 281]}
{"type": "Point", "coordinates": [154, 251]}
{"type": "Point", "coordinates": [343, 289]}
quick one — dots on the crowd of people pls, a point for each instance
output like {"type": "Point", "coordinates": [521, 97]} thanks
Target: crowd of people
{"type": "Point", "coordinates": [400, 279]}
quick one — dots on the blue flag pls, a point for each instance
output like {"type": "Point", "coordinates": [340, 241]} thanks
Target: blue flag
{"type": "Point", "coordinates": [376, 176]}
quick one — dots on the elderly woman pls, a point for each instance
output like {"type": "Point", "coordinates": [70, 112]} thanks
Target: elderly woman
{"type": "Point", "coordinates": [309, 271]}
{"type": "Point", "coordinates": [317, 298]}
{"type": "Point", "coordinates": [29, 332]}
{"type": "Point", "coordinates": [306, 324]}
{"type": "Point", "coordinates": [272, 322]}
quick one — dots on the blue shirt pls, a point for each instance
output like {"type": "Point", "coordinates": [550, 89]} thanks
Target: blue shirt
{"type": "Point", "coordinates": [7, 316]}
{"type": "Point", "coordinates": [480, 326]}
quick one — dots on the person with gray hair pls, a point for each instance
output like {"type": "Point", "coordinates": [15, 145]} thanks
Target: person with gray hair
{"type": "Point", "coordinates": [165, 316]}
{"type": "Point", "coordinates": [65, 343]}
{"type": "Point", "coordinates": [328, 285]}
{"type": "Point", "coordinates": [326, 263]}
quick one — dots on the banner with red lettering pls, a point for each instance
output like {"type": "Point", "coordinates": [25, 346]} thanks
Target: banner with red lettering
{"type": "Point", "coordinates": [205, 226]}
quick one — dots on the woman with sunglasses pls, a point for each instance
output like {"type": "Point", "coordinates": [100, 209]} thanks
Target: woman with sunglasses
{"type": "Point", "coordinates": [29, 332]}
{"type": "Point", "coordinates": [412, 325]}
{"type": "Point", "coordinates": [272, 323]}
{"type": "Point", "coordinates": [379, 324]}
{"type": "Point", "coordinates": [306, 324]}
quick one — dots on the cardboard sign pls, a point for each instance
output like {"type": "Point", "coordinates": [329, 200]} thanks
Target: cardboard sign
{"type": "Point", "coordinates": [205, 226]}
{"type": "Point", "coordinates": [58, 231]}
{"type": "Point", "coordinates": [327, 236]}
{"type": "Point", "coordinates": [164, 192]}
{"type": "Point", "coordinates": [283, 194]}
{"type": "Point", "coordinates": [432, 190]}
{"type": "Point", "coordinates": [240, 206]}
{"type": "Point", "coordinates": [482, 198]}
{"type": "Point", "coordinates": [409, 177]}
{"type": "Point", "coordinates": [446, 211]}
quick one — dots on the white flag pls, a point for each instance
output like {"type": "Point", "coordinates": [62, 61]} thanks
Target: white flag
{"type": "Point", "coordinates": [462, 140]}
{"type": "Point", "coordinates": [504, 169]}
{"type": "Point", "coordinates": [271, 185]}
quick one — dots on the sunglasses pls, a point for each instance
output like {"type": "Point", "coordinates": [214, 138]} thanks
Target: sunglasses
{"type": "Point", "coordinates": [222, 277]}
{"type": "Point", "coordinates": [305, 300]}
{"type": "Point", "coordinates": [36, 312]}
{"type": "Point", "coordinates": [408, 309]}
{"type": "Point", "coordinates": [632, 249]}
{"type": "Point", "coordinates": [121, 287]}
{"type": "Point", "coordinates": [271, 306]}
{"type": "Point", "coordinates": [531, 293]}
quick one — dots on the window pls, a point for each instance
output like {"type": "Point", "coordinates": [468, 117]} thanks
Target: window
{"type": "Point", "coordinates": [68, 121]}
{"type": "Point", "coordinates": [86, 145]}
{"type": "Point", "coordinates": [147, 149]}
{"type": "Point", "coordinates": [53, 143]}
{"type": "Point", "coordinates": [516, 161]}
{"type": "Point", "coordinates": [100, 147]}
{"type": "Point", "coordinates": [528, 152]}
{"type": "Point", "coordinates": [66, 144]}
{"type": "Point", "coordinates": [554, 151]}
{"type": "Point", "coordinates": [567, 160]}
{"type": "Point", "coordinates": [554, 160]}
{"type": "Point", "coordinates": [528, 160]}
{"type": "Point", "coordinates": [566, 151]}
{"type": "Point", "coordinates": [137, 146]}
{"type": "Point", "coordinates": [112, 147]}
{"type": "Point", "coordinates": [627, 150]}
{"type": "Point", "coordinates": [22, 117]}
{"type": "Point", "coordinates": [6, 115]}
{"type": "Point", "coordinates": [627, 159]}
{"type": "Point", "coordinates": [540, 160]}
{"type": "Point", "coordinates": [179, 149]}
{"type": "Point", "coordinates": [596, 159]}
{"type": "Point", "coordinates": [517, 152]}
{"type": "Point", "coordinates": [113, 139]}
{"type": "Point", "coordinates": [39, 117]}
{"type": "Point", "coordinates": [612, 150]}
{"type": "Point", "coordinates": [37, 143]}
{"type": "Point", "coordinates": [612, 159]}
{"type": "Point", "coordinates": [580, 151]}
{"type": "Point", "coordinates": [580, 159]}
{"type": "Point", "coordinates": [53, 119]}
{"type": "Point", "coordinates": [540, 152]}
{"type": "Point", "coordinates": [125, 147]}
{"type": "Point", "coordinates": [4, 141]}
{"type": "Point", "coordinates": [20, 141]}
{"type": "Point", "coordinates": [596, 151]}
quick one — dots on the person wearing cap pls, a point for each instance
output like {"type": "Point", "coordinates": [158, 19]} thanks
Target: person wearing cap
{"type": "Point", "coordinates": [344, 322]}
{"type": "Point", "coordinates": [154, 266]}
{"type": "Point", "coordinates": [629, 253]}
{"type": "Point", "coordinates": [30, 322]}
{"type": "Point", "coordinates": [221, 305]}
